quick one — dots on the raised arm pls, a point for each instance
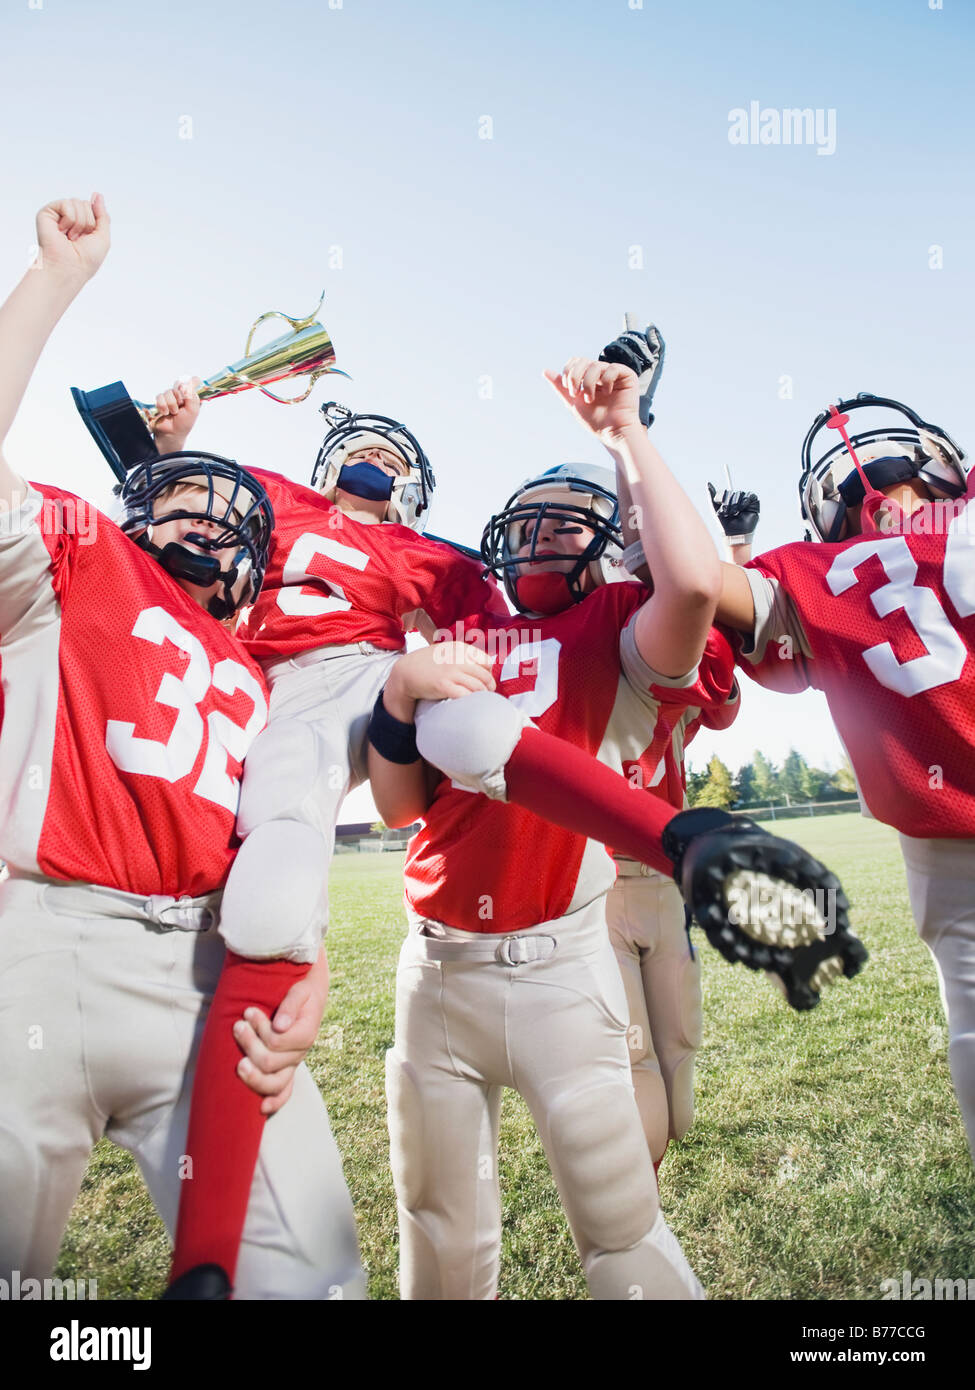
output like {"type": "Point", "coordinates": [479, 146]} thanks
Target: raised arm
{"type": "Point", "coordinates": [72, 239]}
{"type": "Point", "coordinates": [673, 624]}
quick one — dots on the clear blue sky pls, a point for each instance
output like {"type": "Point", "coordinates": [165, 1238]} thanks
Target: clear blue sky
{"type": "Point", "coordinates": [357, 127]}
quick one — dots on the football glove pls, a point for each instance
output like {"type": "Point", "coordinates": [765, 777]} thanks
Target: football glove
{"type": "Point", "coordinates": [737, 514]}
{"type": "Point", "coordinates": [764, 902]}
{"type": "Point", "coordinates": [644, 354]}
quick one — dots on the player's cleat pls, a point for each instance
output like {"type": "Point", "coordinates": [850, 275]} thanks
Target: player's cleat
{"type": "Point", "coordinates": [764, 902]}
{"type": "Point", "coordinates": [202, 1283]}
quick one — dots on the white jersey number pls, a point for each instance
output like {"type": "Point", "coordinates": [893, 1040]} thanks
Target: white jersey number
{"type": "Point", "coordinates": [297, 572]}
{"type": "Point", "coordinates": [543, 693]}
{"type": "Point", "coordinates": [946, 653]}
{"type": "Point", "coordinates": [150, 757]}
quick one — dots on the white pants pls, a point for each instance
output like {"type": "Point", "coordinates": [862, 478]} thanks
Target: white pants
{"type": "Point", "coordinates": [662, 980]}
{"type": "Point", "coordinates": [295, 779]}
{"type": "Point", "coordinates": [941, 885]}
{"type": "Point", "coordinates": [547, 1018]}
{"type": "Point", "coordinates": [101, 1014]}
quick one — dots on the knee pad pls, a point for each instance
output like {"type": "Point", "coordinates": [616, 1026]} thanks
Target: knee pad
{"type": "Point", "coordinates": [470, 739]}
{"type": "Point", "coordinates": [600, 1153]}
{"type": "Point", "coordinates": [290, 774]}
{"type": "Point", "coordinates": [655, 1268]}
{"type": "Point", "coordinates": [275, 904]}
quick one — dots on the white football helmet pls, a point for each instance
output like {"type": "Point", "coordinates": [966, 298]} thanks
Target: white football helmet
{"type": "Point", "coordinates": [577, 493]}
{"type": "Point", "coordinates": [410, 494]}
{"type": "Point", "coordinates": [893, 453]}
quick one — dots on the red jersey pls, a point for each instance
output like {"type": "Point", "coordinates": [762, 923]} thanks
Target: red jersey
{"type": "Point", "coordinates": [712, 701]}
{"type": "Point", "coordinates": [128, 710]}
{"type": "Point", "coordinates": [487, 866]}
{"type": "Point", "coordinates": [332, 581]}
{"type": "Point", "coordinates": [884, 625]}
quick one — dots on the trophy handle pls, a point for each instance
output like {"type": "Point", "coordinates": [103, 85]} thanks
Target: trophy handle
{"type": "Point", "coordinates": [297, 325]}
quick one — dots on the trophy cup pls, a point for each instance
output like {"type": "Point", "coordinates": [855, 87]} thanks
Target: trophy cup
{"type": "Point", "coordinates": [121, 426]}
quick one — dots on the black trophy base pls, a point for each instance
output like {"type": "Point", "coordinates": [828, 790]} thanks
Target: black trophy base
{"type": "Point", "coordinates": [116, 425]}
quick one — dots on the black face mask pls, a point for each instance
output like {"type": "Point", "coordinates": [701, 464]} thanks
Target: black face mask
{"type": "Point", "coordinates": [365, 480]}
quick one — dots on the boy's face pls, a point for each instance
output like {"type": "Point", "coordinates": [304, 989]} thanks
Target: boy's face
{"type": "Point", "coordinates": [388, 461]}
{"type": "Point", "coordinates": [560, 542]}
{"type": "Point", "coordinates": [192, 496]}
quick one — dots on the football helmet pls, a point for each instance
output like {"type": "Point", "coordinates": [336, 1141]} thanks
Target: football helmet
{"type": "Point", "coordinates": [893, 453]}
{"type": "Point", "coordinates": [409, 495]}
{"type": "Point", "coordinates": [578, 494]}
{"type": "Point", "coordinates": [237, 503]}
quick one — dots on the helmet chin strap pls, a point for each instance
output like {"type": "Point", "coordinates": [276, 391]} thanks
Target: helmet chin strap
{"type": "Point", "coordinates": [872, 499]}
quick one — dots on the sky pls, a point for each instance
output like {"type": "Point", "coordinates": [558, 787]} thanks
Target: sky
{"type": "Point", "coordinates": [482, 191]}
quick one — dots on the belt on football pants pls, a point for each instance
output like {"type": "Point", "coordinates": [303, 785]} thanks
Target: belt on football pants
{"type": "Point", "coordinates": [629, 868]}
{"type": "Point", "coordinates": [318, 654]}
{"type": "Point", "coordinates": [577, 933]}
{"type": "Point", "coordinates": [159, 910]}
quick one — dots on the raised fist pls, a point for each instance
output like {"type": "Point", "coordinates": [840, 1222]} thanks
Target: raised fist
{"type": "Point", "coordinates": [73, 236]}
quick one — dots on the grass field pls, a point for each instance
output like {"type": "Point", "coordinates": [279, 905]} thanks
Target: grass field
{"type": "Point", "coordinates": [827, 1154]}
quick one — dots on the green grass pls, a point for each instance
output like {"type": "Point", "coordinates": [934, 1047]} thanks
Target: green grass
{"type": "Point", "coordinates": [827, 1153]}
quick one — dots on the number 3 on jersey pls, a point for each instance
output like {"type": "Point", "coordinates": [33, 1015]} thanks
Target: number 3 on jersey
{"type": "Point", "coordinates": [946, 652]}
{"type": "Point", "coordinates": [177, 757]}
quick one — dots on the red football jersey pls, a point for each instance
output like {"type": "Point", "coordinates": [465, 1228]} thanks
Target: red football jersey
{"type": "Point", "coordinates": [128, 710]}
{"type": "Point", "coordinates": [884, 625]}
{"type": "Point", "coordinates": [712, 701]}
{"type": "Point", "coordinates": [487, 866]}
{"type": "Point", "coordinates": [331, 581]}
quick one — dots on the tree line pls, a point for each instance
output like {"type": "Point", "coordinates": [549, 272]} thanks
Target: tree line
{"type": "Point", "coordinates": [761, 783]}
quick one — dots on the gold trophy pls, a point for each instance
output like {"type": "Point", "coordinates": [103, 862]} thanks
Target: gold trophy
{"type": "Point", "coordinates": [121, 427]}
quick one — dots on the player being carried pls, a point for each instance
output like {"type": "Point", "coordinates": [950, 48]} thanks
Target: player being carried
{"type": "Point", "coordinates": [348, 566]}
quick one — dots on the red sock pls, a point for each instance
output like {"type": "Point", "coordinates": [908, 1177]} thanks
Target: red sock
{"type": "Point", "coordinates": [568, 787]}
{"type": "Point", "coordinates": [656, 1166]}
{"type": "Point", "coordinates": [226, 1123]}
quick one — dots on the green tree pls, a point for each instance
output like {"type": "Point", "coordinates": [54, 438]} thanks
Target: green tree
{"type": "Point", "coordinates": [695, 784]}
{"type": "Point", "coordinates": [792, 776]}
{"type": "Point", "coordinates": [843, 779]}
{"type": "Point", "coordinates": [766, 778]}
{"type": "Point", "coordinates": [815, 784]}
{"type": "Point", "coordinates": [718, 789]}
{"type": "Point", "coordinates": [745, 784]}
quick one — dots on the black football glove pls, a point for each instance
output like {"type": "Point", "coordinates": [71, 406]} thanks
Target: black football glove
{"type": "Point", "coordinates": [764, 902]}
{"type": "Point", "coordinates": [737, 514]}
{"type": "Point", "coordinates": [644, 354]}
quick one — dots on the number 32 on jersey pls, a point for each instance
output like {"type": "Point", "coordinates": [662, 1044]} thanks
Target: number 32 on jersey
{"type": "Point", "coordinates": [176, 757]}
